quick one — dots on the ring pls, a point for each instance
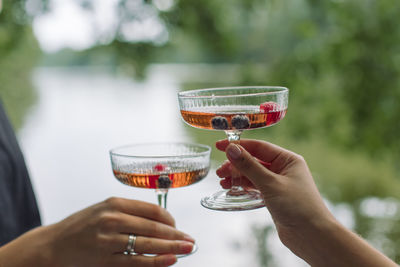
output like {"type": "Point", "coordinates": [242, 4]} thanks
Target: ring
{"type": "Point", "coordinates": [130, 248]}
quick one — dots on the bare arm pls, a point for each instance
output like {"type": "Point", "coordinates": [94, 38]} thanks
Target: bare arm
{"type": "Point", "coordinates": [30, 248]}
{"type": "Point", "coordinates": [303, 222]}
{"type": "Point", "coordinates": [331, 244]}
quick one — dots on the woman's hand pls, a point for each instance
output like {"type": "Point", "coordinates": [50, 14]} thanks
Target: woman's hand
{"type": "Point", "coordinates": [98, 236]}
{"type": "Point", "coordinates": [303, 222]}
{"type": "Point", "coordinates": [282, 177]}
{"type": "Point", "coordinates": [284, 180]}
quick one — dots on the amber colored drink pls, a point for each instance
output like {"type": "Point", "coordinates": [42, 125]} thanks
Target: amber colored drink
{"type": "Point", "coordinates": [151, 180]}
{"type": "Point", "coordinates": [203, 120]}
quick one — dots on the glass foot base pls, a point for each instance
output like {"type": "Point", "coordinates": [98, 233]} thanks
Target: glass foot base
{"type": "Point", "coordinates": [222, 201]}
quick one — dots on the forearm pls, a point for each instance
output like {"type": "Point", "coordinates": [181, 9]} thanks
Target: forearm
{"type": "Point", "coordinates": [30, 249]}
{"type": "Point", "coordinates": [331, 244]}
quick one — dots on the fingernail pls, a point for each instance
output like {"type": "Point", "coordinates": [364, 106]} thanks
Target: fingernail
{"type": "Point", "coordinates": [189, 238]}
{"type": "Point", "coordinates": [185, 247]}
{"type": "Point", "coordinates": [233, 151]}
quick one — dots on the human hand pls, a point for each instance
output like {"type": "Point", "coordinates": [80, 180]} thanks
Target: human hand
{"type": "Point", "coordinates": [285, 182]}
{"type": "Point", "coordinates": [98, 236]}
{"type": "Point", "coordinates": [225, 172]}
{"type": "Point", "coordinates": [304, 223]}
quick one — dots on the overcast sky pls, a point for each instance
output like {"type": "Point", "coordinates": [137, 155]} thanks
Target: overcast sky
{"type": "Point", "coordinates": [68, 25]}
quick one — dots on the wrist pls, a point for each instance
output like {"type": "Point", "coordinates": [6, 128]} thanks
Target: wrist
{"type": "Point", "coordinates": [328, 243]}
{"type": "Point", "coordinates": [45, 246]}
{"type": "Point", "coordinates": [33, 248]}
{"type": "Point", "coordinates": [320, 242]}
{"type": "Point", "coordinates": [310, 241]}
{"type": "Point", "coordinates": [39, 241]}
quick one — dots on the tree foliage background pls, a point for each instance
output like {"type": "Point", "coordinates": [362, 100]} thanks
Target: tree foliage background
{"type": "Point", "coordinates": [340, 59]}
{"type": "Point", "coordinates": [19, 52]}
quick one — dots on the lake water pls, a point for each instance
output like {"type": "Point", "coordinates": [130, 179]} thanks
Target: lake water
{"type": "Point", "coordinates": [82, 113]}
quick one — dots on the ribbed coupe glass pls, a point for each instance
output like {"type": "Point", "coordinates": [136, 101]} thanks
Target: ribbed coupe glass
{"type": "Point", "coordinates": [161, 166]}
{"type": "Point", "coordinates": [233, 110]}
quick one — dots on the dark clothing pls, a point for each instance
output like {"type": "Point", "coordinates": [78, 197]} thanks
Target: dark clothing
{"type": "Point", "coordinates": [18, 208]}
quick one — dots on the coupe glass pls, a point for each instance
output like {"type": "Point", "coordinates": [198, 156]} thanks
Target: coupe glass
{"type": "Point", "coordinates": [161, 166]}
{"type": "Point", "coordinates": [233, 110]}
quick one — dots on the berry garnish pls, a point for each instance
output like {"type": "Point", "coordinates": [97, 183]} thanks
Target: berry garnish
{"type": "Point", "coordinates": [160, 167]}
{"type": "Point", "coordinates": [240, 122]}
{"type": "Point", "coordinates": [269, 106]}
{"type": "Point", "coordinates": [164, 181]}
{"type": "Point", "coordinates": [219, 123]}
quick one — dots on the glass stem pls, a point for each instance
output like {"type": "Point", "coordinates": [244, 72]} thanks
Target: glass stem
{"type": "Point", "coordinates": [162, 197]}
{"type": "Point", "coordinates": [236, 189]}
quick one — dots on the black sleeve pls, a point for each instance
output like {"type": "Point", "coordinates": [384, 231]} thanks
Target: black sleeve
{"type": "Point", "coordinates": [18, 208]}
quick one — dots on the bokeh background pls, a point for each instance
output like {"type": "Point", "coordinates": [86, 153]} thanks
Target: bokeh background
{"type": "Point", "coordinates": [79, 77]}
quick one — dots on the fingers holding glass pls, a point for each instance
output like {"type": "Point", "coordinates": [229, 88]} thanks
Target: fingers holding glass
{"type": "Point", "coordinates": [226, 183]}
{"type": "Point", "coordinates": [144, 227]}
{"type": "Point", "coordinates": [140, 209]}
{"type": "Point", "coordinates": [150, 245]}
{"type": "Point", "coordinates": [224, 172]}
{"type": "Point", "coordinates": [269, 155]}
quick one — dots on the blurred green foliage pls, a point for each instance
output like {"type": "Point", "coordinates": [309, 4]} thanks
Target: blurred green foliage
{"type": "Point", "coordinates": [19, 52]}
{"type": "Point", "coordinates": [340, 60]}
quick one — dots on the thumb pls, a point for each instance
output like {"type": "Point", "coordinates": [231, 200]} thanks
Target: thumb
{"type": "Point", "coordinates": [249, 166]}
